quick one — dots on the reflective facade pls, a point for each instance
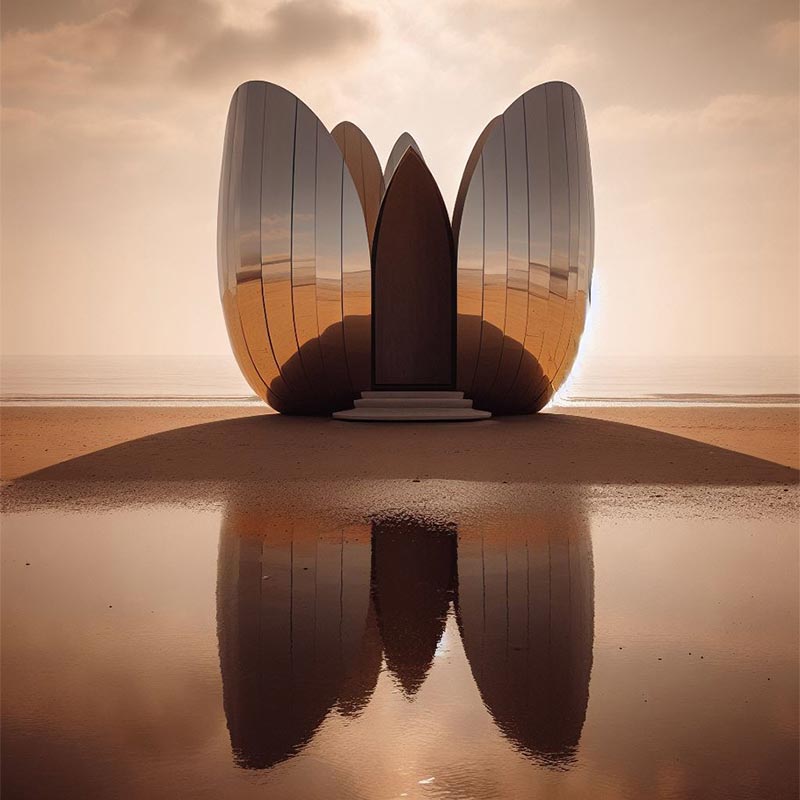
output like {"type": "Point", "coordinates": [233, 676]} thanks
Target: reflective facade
{"type": "Point", "coordinates": [294, 263]}
{"type": "Point", "coordinates": [524, 228]}
{"type": "Point", "coordinates": [299, 232]}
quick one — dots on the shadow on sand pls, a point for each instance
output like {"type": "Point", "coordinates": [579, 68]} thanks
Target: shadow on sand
{"type": "Point", "coordinates": [547, 448]}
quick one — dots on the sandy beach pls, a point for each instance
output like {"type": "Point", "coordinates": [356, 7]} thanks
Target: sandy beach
{"type": "Point", "coordinates": [169, 442]}
{"type": "Point", "coordinates": [224, 602]}
{"type": "Point", "coordinates": [118, 455]}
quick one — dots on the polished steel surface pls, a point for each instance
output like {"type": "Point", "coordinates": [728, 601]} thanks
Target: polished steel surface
{"type": "Point", "coordinates": [356, 288]}
{"type": "Point", "coordinates": [299, 215]}
{"type": "Point", "coordinates": [495, 266]}
{"type": "Point", "coordinates": [226, 242]}
{"type": "Point", "coordinates": [365, 170]}
{"type": "Point", "coordinates": [277, 183]}
{"type": "Point", "coordinates": [403, 143]}
{"type": "Point", "coordinates": [527, 194]}
{"type": "Point", "coordinates": [247, 236]}
{"type": "Point", "coordinates": [304, 250]}
{"type": "Point", "coordinates": [294, 257]}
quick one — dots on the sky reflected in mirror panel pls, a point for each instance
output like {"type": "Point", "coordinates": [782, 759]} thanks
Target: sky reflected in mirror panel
{"type": "Point", "coordinates": [536, 229]}
{"type": "Point", "coordinates": [469, 299]}
{"type": "Point", "coordinates": [237, 652]}
{"type": "Point", "coordinates": [365, 170]}
{"type": "Point", "coordinates": [356, 288]}
{"type": "Point", "coordinates": [227, 245]}
{"type": "Point", "coordinates": [277, 183]}
{"type": "Point", "coordinates": [246, 196]}
{"type": "Point", "coordinates": [304, 266]}
{"type": "Point", "coordinates": [495, 263]}
{"type": "Point", "coordinates": [516, 317]}
{"type": "Point", "coordinates": [538, 164]}
{"type": "Point", "coordinates": [330, 169]}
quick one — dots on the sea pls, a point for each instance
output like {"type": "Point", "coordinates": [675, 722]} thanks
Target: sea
{"type": "Point", "coordinates": [216, 380]}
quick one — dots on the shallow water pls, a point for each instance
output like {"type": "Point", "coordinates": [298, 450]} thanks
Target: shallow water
{"type": "Point", "coordinates": [170, 652]}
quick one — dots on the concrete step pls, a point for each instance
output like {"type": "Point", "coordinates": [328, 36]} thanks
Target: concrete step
{"type": "Point", "coordinates": [414, 394]}
{"type": "Point", "coordinates": [413, 402]}
{"type": "Point", "coordinates": [410, 414]}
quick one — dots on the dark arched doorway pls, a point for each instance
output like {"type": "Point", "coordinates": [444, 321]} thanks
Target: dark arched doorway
{"type": "Point", "coordinates": [413, 284]}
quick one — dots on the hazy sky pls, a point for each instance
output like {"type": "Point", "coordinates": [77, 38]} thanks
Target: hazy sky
{"type": "Point", "coordinates": [113, 117]}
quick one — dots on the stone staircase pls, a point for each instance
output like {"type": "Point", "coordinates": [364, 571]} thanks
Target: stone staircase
{"type": "Point", "coordinates": [411, 407]}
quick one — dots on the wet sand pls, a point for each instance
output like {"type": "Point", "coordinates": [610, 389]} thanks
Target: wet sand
{"type": "Point", "coordinates": [110, 456]}
{"type": "Point", "coordinates": [586, 603]}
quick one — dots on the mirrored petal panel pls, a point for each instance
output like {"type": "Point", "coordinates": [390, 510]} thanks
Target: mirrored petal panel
{"type": "Point", "coordinates": [285, 240]}
{"type": "Point", "coordinates": [304, 250]}
{"type": "Point", "coordinates": [403, 143]}
{"type": "Point", "coordinates": [516, 318]}
{"type": "Point", "coordinates": [247, 232]}
{"type": "Point", "coordinates": [495, 264]}
{"type": "Point", "coordinates": [537, 194]}
{"type": "Point", "coordinates": [365, 170]}
{"type": "Point", "coordinates": [226, 243]}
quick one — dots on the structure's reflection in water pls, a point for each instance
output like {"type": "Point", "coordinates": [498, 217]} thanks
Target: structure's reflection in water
{"type": "Point", "coordinates": [306, 616]}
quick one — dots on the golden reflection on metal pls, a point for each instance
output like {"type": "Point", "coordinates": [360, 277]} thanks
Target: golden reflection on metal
{"type": "Point", "coordinates": [247, 233]}
{"type": "Point", "coordinates": [330, 172]}
{"type": "Point", "coordinates": [404, 142]}
{"type": "Point", "coordinates": [304, 251]}
{"type": "Point", "coordinates": [298, 213]}
{"type": "Point", "coordinates": [527, 192]}
{"type": "Point", "coordinates": [226, 248]}
{"type": "Point", "coordinates": [365, 170]}
{"type": "Point", "coordinates": [277, 180]}
{"type": "Point", "coordinates": [294, 257]}
{"type": "Point", "coordinates": [495, 264]}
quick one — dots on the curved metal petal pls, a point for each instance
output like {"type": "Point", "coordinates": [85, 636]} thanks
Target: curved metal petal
{"type": "Point", "coordinates": [294, 258]}
{"type": "Point", "coordinates": [365, 170]}
{"type": "Point", "coordinates": [526, 196]}
{"type": "Point", "coordinates": [404, 142]}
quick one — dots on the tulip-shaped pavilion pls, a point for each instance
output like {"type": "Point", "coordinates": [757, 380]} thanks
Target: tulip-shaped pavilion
{"type": "Point", "coordinates": [347, 289]}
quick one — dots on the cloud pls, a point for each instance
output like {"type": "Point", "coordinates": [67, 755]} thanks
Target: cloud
{"type": "Point", "coordinates": [189, 41]}
{"type": "Point", "coordinates": [561, 62]}
{"type": "Point", "coordinates": [292, 31]}
{"type": "Point", "coordinates": [783, 37]}
{"type": "Point", "coordinates": [747, 110]}
{"type": "Point", "coordinates": [722, 114]}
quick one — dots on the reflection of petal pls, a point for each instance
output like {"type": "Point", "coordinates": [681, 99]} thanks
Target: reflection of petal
{"type": "Point", "coordinates": [413, 579]}
{"type": "Point", "coordinates": [296, 632]}
{"type": "Point", "coordinates": [526, 613]}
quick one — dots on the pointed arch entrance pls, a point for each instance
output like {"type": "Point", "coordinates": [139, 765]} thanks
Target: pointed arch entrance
{"type": "Point", "coordinates": [413, 284]}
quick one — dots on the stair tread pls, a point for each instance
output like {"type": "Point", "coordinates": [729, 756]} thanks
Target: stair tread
{"type": "Point", "coordinates": [413, 402]}
{"type": "Point", "coordinates": [411, 414]}
{"type": "Point", "coordinates": [413, 394]}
